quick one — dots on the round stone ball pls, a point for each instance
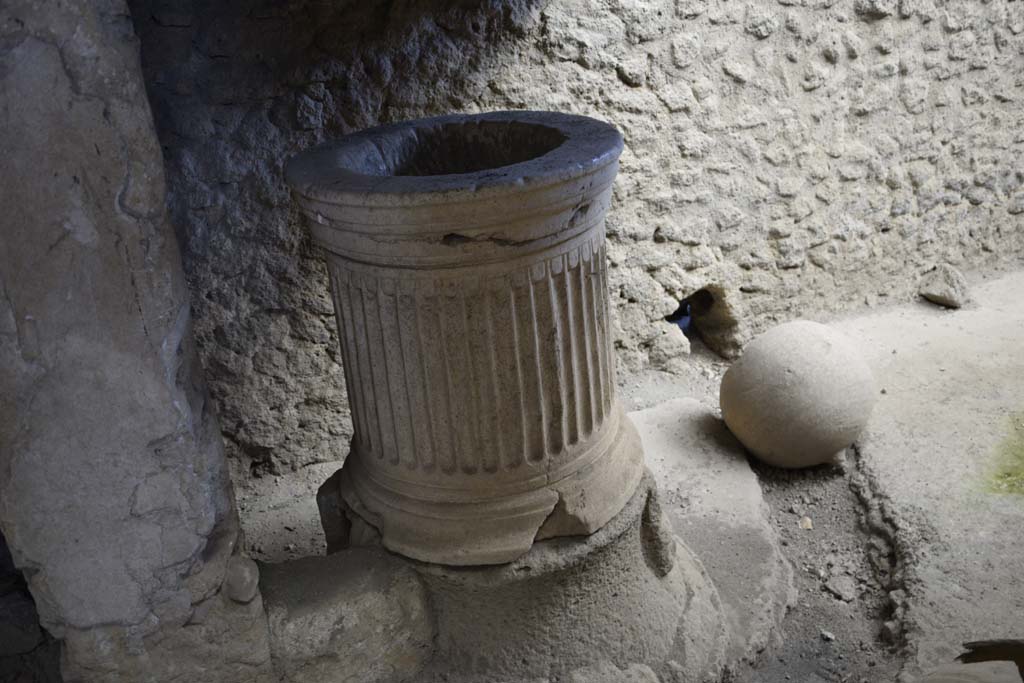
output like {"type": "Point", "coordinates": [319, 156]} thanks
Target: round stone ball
{"type": "Point", "coordinates": [798, 395]}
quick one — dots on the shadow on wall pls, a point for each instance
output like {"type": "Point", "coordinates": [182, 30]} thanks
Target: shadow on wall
{"type": "Point", "coordinates": [236, 89]}
{"type": "Point", "coordinates": [25, 648]}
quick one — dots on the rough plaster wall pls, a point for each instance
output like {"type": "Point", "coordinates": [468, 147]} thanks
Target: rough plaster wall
{"type": "Point", "coordinates": [115, 498]}
{"type": "Point", "coordinates": [789, 156]}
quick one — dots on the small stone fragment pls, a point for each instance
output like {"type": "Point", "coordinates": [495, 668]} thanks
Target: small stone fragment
{"type": "Point", "coordinates": [875, 9]}
{"type": "Point", "coordinates": [669, 350]}
{"type": "Point", "coordinates": [814, 77]}
{"type": "Point", "coordinates": [737, 72]}
{"type": "Point", "coordinates": [945, 286]}
{"type": "Point", "coordinates": [685, 51]}
{"type": "Point", "coordinates": [761, 23]}
{"type": "Point", "coordinates": [242, 579]}
{"type": "Point", "coordinates": [633, 72]}
{"type": "Point", "coordinates": [827, 636]}
{"type": "Point", "coordinates": [843, 587]}
{"type": "Point", "coordinates": [806, 523]}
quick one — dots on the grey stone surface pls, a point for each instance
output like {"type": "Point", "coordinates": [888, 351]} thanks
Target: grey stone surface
{"type": "Point", "coordinates": [945, 286]}
{"type": "Point", "coordinates": [787, 157]}
{"type": "Point", "coordinates": [242, 579]}
{"type": "Point", "coordinates": [221, 641]}
{"type": "Point", "coordinates": [609, 673]}
{"type": "Point", "coordinates": [714, 503]}
{"type": "Point", "coordinates": [115, 498]}
{"type": "Point", "coordinates": [843, 587]}
{"type": "Point", "coordinates": [356, 616]}
{"type": "Point", "coordinates": [943, 458]}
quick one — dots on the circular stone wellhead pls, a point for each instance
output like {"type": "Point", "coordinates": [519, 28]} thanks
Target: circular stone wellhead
{"type": "Point", "coordinates": [467, 266]}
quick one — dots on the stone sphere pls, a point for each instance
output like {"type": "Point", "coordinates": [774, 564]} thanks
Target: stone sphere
{"type": "Point", "coordinates": [798, 395]}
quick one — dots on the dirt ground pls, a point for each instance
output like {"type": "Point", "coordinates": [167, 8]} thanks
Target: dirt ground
{"type": "Point", "coordinates": [837, 629]}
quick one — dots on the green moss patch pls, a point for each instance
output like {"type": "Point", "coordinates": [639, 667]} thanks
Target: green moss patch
{"type": "Point", "coordinates": [1009, 459]}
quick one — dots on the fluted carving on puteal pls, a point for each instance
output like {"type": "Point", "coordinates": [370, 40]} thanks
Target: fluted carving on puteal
{"type": "Point", "coordinates": [444, 394]}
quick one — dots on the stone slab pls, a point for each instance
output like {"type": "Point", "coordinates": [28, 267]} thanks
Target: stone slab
{"type": "Point", "coordinates": [356, 616]}
{"type": "Point", "coordinates": [714, 503]}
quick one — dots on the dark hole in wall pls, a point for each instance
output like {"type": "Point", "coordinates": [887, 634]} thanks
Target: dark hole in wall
{"type": "Point", "coordinates": [697, 305]}
{"type": "Point", "coordinates": [260, 458]}
{"type": "Point", "coordinates": [27, 652]}
{"type": "Point", "coordinates": [705, 316]}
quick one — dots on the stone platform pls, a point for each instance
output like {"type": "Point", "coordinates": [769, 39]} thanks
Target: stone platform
{"type": "Point", "coordinates": [713, 501]}
{"type": "Point", "coordinates": [943, 458]}
{"type": "Point", "coordinates": [685, 584]}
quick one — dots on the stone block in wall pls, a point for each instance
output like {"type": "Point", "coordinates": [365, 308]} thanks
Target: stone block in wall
{"type": "Point", "coordinates": [223, 642]}
{"type": "Point", "coordinates": [357, 616]}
